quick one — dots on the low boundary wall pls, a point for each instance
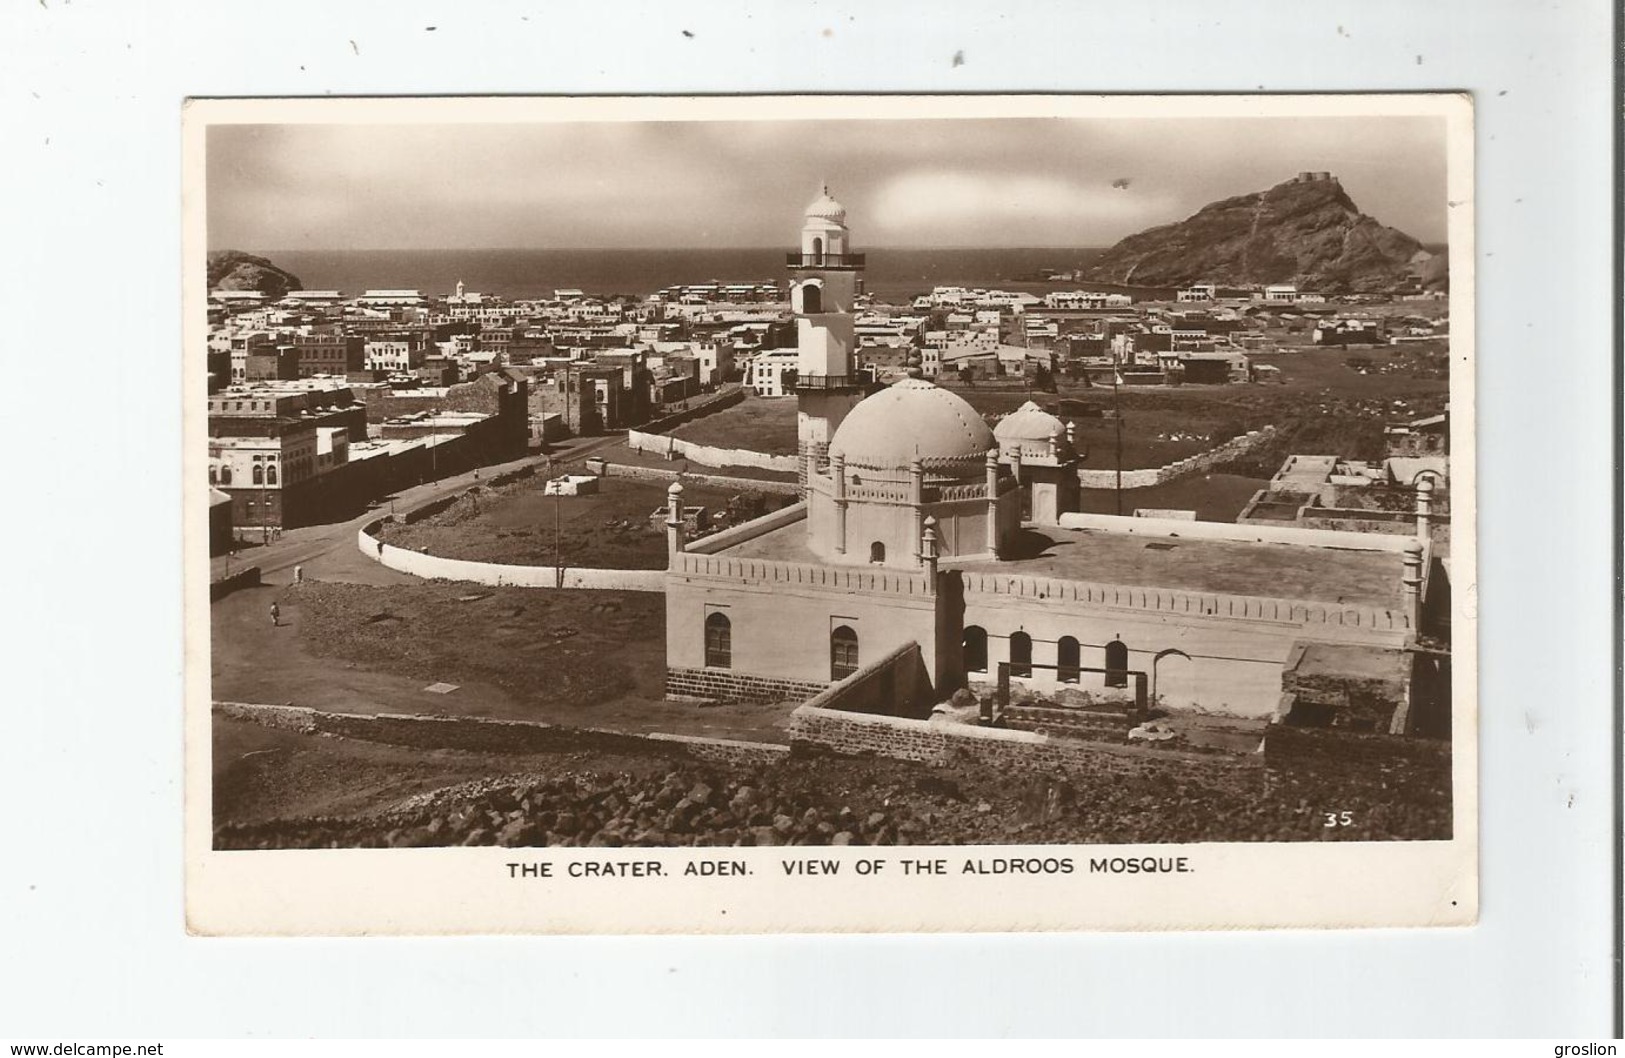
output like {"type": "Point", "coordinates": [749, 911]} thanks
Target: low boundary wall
{"type": "Point", "coordinates": [247, 577]}
{"type": "Point", "coordinates": [498, 575]}
{"type": "Point", "coordinates": [707, 455]}
{"type": "Point", "coordinates": [698, 411]}
{"type": "Point", "coordinates": [941, 742]}
{"type": "Point", "coordinates": [481, 734]}
{"type": "Point", "coordinates": [1200, 463]}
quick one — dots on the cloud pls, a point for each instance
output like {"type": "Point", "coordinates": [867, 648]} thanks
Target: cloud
{"type": "Point", "coordinates": [934, 207]}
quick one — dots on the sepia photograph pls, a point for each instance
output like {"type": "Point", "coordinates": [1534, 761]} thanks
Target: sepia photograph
{"type": "Point", "coordinates": [678, 500]}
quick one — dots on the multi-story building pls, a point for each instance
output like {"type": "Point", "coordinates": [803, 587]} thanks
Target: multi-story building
{"type": "Point", "coordinates": [396, 354]}
{"type": "Point", "coordinates": [329, 354]}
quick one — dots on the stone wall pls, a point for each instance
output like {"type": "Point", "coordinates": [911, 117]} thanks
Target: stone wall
{"type": "Point", "coordinates": [676, 419]}
{"type": "Point", "coordinates": [944, 742]}
{"type": "Point", "coordinates": [285, 717]}
{"type": "Point", "coordinates": [481, 734]}
{"type": "Point", "coordinates": [729, 685]}
{"type": "Point", "coordinates": [707, 455]}
{"type": "Point", "coordinates": [247, 577]}
{"type": "Point", "coordinates": [1201, 463]}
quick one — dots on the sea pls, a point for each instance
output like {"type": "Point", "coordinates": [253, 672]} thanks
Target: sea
{"type": "Point", "coordinates": [889, 275]}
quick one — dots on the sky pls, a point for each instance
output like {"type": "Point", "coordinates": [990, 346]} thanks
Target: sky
{"type": "Point", "coordinates": [922, 183]}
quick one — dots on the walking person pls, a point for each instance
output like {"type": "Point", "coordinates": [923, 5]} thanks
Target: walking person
{"type": "Point", "coordinates": [276, 616]}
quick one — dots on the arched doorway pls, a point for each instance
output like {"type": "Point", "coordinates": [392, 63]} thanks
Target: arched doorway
{"type": "Point", "coordinates": [973, 649]}
{"type": "Point", "coordinates": [1116, 663]}
{"type": "Point", "coordinates": [812, 298]}
{"type": "Point", "coordinates": [843, 653]}
{"type": "Point", "coordinates": [1021, 654]}
{"type": "Point", "coordinates": [818, 250]}
{"type": "Point", "coordinates": [1067, 660]}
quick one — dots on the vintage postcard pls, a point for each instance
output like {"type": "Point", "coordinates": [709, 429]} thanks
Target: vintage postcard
{"type": "Point", "coordinates": [836, 513]}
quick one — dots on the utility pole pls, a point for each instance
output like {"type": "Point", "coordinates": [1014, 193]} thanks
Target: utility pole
{"type": "Point", "coordinates": [1117, 413]}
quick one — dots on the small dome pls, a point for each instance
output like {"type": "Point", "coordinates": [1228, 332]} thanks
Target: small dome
{"type": "Point", "coordinates": [1028, 423]}
{"type": "Point", "coordinates": [914, 418]}
{"type": "Point", "coordinates": [825, 207]}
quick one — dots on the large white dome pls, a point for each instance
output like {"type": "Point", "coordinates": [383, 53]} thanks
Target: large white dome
{"type": "Point", "coordinates": [909, 419]}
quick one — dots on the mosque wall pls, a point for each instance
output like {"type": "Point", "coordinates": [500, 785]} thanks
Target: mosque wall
{"type": "Point", "coordinates": [781, 629]}
{"type": "Point", "coordinates": [1223, 655]}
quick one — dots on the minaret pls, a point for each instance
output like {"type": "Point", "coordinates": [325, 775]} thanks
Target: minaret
{"type": "Point", "coordinates": [459, 290]}
{"type": "Point", "coordinates": [825, 277]}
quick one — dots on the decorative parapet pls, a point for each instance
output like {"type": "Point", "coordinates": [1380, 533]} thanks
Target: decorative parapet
{"type": "Point", "coordinates": [1189, 604]}
{"type": "Point", "coordinates": [794, 574]}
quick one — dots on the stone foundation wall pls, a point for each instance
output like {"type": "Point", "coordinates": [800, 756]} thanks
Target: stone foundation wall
{"type": "Point", "coordinates": [730, 686]}
{"type": "Point", "coordinates": [942, 743]}
{"type": "Point", "coordinates": [285, 717]}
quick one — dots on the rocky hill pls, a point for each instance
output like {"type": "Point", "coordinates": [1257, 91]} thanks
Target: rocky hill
{"type": "Point", "coordinates": [235, 270]}
{"type": "Point", "coordinates": [1306, 231]}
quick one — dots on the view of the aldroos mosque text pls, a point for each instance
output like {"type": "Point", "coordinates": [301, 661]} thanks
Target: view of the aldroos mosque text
{"type": "Point", "coordinates": [830, 513]}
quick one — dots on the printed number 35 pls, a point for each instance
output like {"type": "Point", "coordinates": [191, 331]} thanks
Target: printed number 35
{"type": "Point", "coordinates": [1339, 819]}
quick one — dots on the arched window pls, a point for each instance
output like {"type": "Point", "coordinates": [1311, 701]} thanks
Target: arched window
{"type": "Point", "coordinates": [975, 649]}
{"type": "Point", "coordinates": [1021, 654]}
{"type": "Point", "coordinates": [1066, 660]}
{"type": "Point", "coordinates": [719, 641]}
{"type": "Point", "coordinates": [1117, 663]}
{"type": "Point", "coordinates": [212, 475]}
{"type": "Point", "coordinates": [270, 474]}
{"type": "Point", "coordinates": [818, 249]}
{"type": "Point", "coordinates": [225, 475]}
{"type": "Point", "coordinates": [259, 474]}
{"type": "Point", "coordinates": [812, 298]}
{"type": "Point", "coordinates": [843, 653]}
{"type": "Point", "coordinates": [877, 552]}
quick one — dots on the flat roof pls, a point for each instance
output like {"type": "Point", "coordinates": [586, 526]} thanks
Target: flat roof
{"type": "Point", "coordinates": [1273, 571]}
{"type": "Point", "coordinates": [1276, 571]}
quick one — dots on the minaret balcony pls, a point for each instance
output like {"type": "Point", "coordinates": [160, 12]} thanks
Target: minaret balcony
{"type": "Point", "coordinates": [831, 383]}
{"type": "Point", "coordinates": [851, 261]}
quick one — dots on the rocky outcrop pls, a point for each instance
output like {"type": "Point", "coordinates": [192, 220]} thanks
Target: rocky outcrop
{"type": "Point", "coordinates": [235, 270]}
{"type": "Point", "coordinates": [1306, 231]}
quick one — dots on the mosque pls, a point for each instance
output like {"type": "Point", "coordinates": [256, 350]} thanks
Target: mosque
{"type": "Point", "coordinates": [919, 524]}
